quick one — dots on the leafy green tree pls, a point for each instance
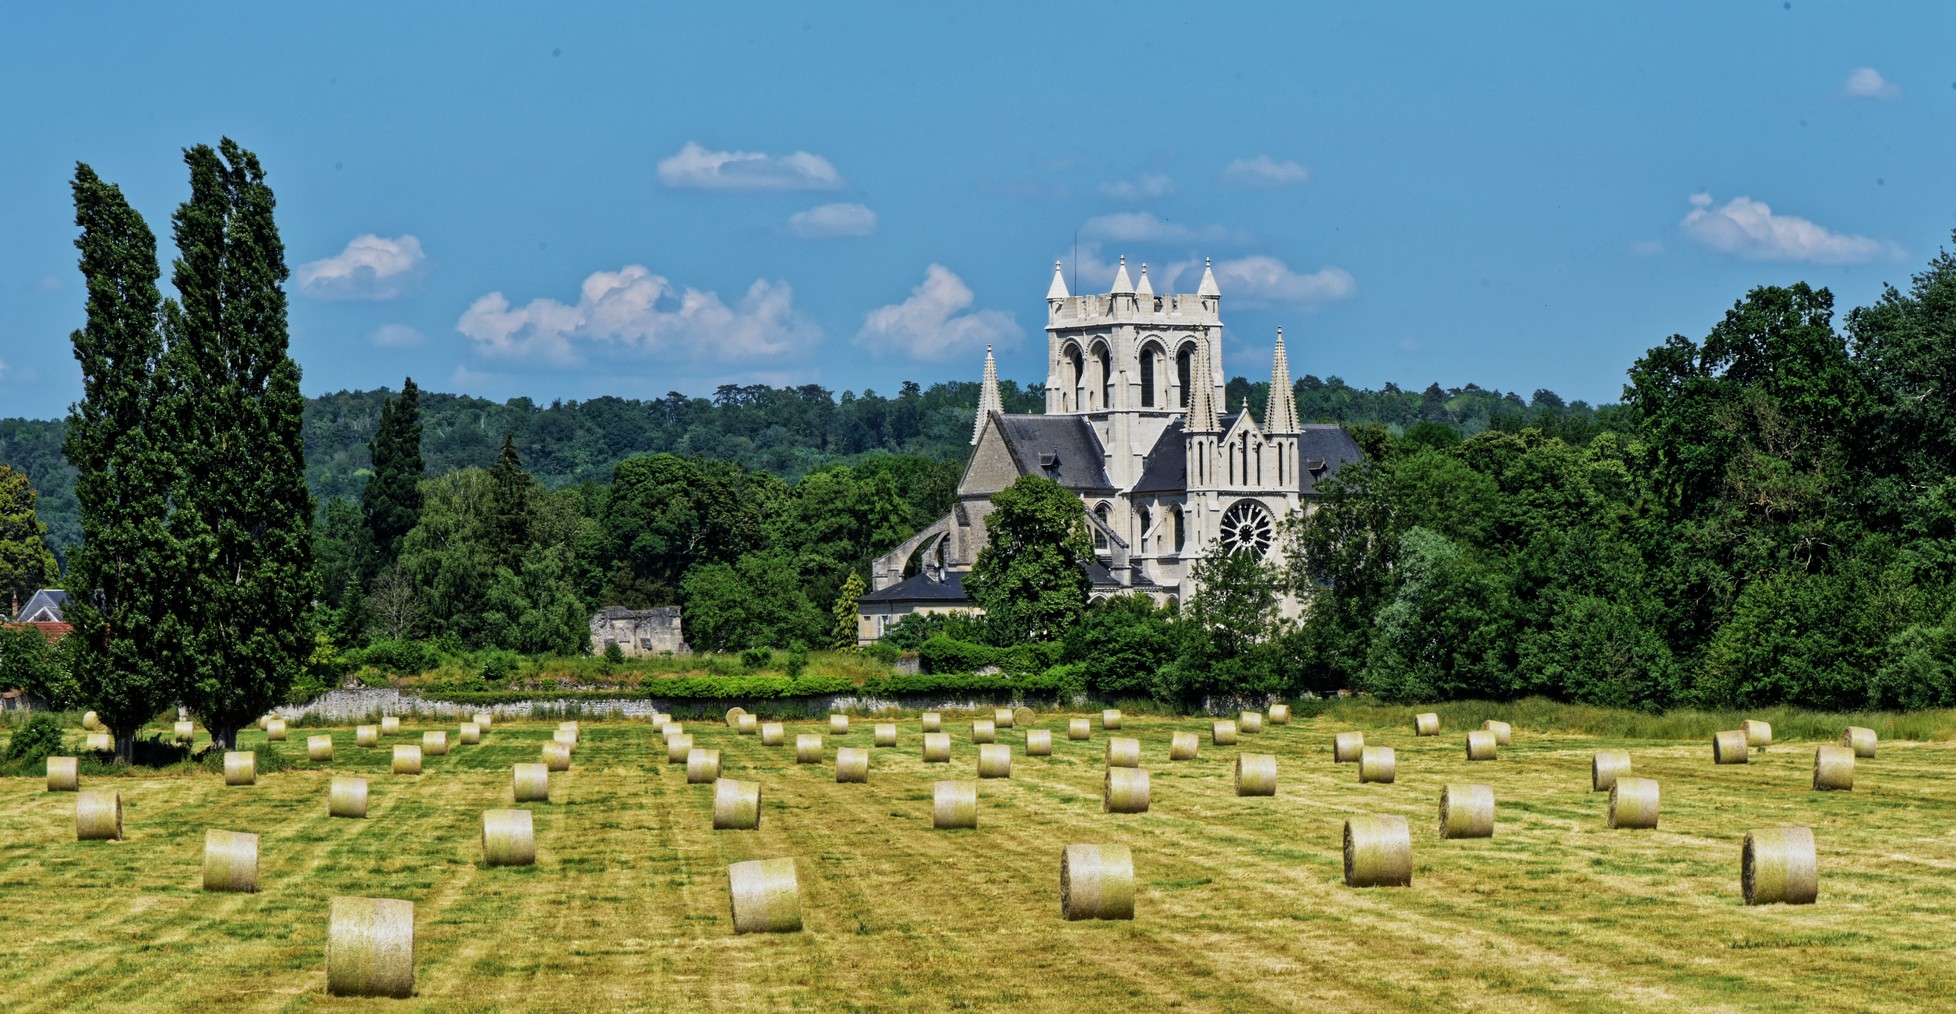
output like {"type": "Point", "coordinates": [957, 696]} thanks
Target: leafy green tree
{"type": "Point", "coordinates": [1122, 642]}
{"type": "Point", "coordinates": [843, 633]}
{"type": "Point", "coordinates": [666, 515]}
{"type": "Point", "coordinates": [391, 501]}
{"type": "Point", "coordinates": [1442, 636]}
{"type": "Point", "coordinates": [26, 563]}
{"type": "Point", "coordinates": [1031, 576]}
{"type": "Point", "coordinates": [124, 578]}
{"type": "Point", "coordinates": [754, 602]}
{"type": "Point", "coordinates": [536, 609]}
{"type": "Point", "coordinates": [28, 662]}
{"type": "Point", "coordinates": [242, 509]}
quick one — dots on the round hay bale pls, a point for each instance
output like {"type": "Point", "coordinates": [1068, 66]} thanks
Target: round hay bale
{"type": "Point", "coordinates": [1426, 723]}
{"type": "Point", "coordinates": [390, 725]}
{"type": "Point", "coordinates": [1346, 746]}
{"type": "Point", "coordinates": [230, 861]}
{"type": "Point", "coordinates": [468, 734]}
{"type": "Point", "coordinates": [435, 743]}
{"type": "Point", "coordinates": [1184, 746]}
{"type": "Point", "coordinates": [733, 716]}
{"type": "Point", "coordinates": [1023, 715]}
{"type": "Point", "coordinates": [886, 734]}
{"type": "Point", "coordinates": [673, 729]}
{"type": "Point", "coordinates": [1633, 803]}
{"type": "Point", "coordinates": [91, 721]}
{"type": "Point", "coordinates": [851, 764]}
{"type": "Point", "coordinates": [747, 725]}
{"type": "Point", "coordinates": [569, 725]}
{"type": "Point", "coordinates": [1096, 882]}
{"type": "Point", "coordinates": [1859, 740]}
{"type": "Point", "coordinates": [1223, 733]}
{"type": "Point", "coordinates": [1482, 745]}
{"type": "Point", "coordinates": [240, 767]}
{"type": "Point", "coordinates": [659, 720]}
{"type": "Point", "coordinates": [838, 725]}
{"type": "Point", "coordinates": [1125, 791]}
{"type": "Point", "coordinates": [1256, 774]}
{"type": "Point", "coordinates": [319, 748]}
{"type": "Point", "coordinates": [1378, 851]}
{"type": "Point", "coordinates": [1605, 767]}
{"type": "Point", "coordinates": [736, 805]}
{"type": "Point", "coordinates": [677, 747]}
{"type": "Point", "coordinates": [483, 720]}
{"type": "Point", "coordinates": [366, 735]}
{"type": "Point", "coordinates": [1377, 764]}
{"type": "Point", "coordinates": [1833, 768]}
{"type": "Point", "coordinates": [1730, 748]}
{"type": "Point", "coordinates": [98, 816]}
{"type": "Point", "coordinates": [556, 756]}
{"type": "Point", "coordinates": [275, 731]}
{"type": "Point", "coordinates": [508, 838]}
{"type": "Point", "coordinates": [530, 783]}
{"type": "Point", "coordinates": [1110, 719]}
{"type": "Point", "coordinates": [937, 748]}
{"type": "Point", "coordinates": [808, 749]}
{"type": "Point", "coordinates": [1250, 723]}
{"type": "Point", "coordinates": [1467, 811]}
{"type": "Point", "coordinates": [1123, 752]}
{"type": "Point", "coordinates": [407, 759]}
{"type": "Point", "coordinates": [184, 732]}
{"type": "Point", "coordinates": [766, 896]}
{"type": "Point", "coordinates": [702, 766]}
{"type": "Point", "coordinates": [994, 761]}
{"type": "Point", "coordinates": [63, 774]}
{"type": "Point", "coordinates": [1504, 733]}
{"type": "Point", "coordinates": [347, 797]}
{"type": "Point", "coordinates": [1003, 718]}
{"type": "Point", "coordinates": [1280, 714]}
{"type": "Point", "coordinates": [954, 804]}
{"type": "Point", "coordinates": [1079, 728]}
{"type": "Point", "coordinates": [370, 947]}
{"type": "Point", "coordinates": [1039, 743]}
{"type": "Point", "coordinates": [1779, 867]}
{"type": "Point", "coordinates": [100, 742]}
{"type": "Point", "coordinates": [932, 721]}
{"type": "Point", "coordinates": [983, 732]}
{"type": "Point", "coordinates": [1758, 735]}
{"type": "Point", "coordinates": [773, 734]}
{"type": "Point", "coordinates": [568, 737]}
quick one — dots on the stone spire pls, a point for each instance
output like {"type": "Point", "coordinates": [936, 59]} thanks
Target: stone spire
{"type": "Point", "coordinates": [1280, 414]}
{"type": "Point", "coordinates": [1208, 286]}
{"type": "Point", "coordinates": [1144, 290]}
{"type": "Point", "coordinates": [1122, 286]}
{"type": "Point", "coordinates": [988, 399]}
{"type": "Point", "coordinates": [1057, 290]}
{"type": "Point", "coordinates": [1202, 396]}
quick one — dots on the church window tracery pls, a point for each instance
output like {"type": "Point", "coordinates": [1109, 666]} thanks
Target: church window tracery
{"type": "Point", "coordinates": [1246, 526]}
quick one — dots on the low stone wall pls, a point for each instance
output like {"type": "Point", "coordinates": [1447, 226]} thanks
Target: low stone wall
{"type": "Point", "coordinates": [343, 706]}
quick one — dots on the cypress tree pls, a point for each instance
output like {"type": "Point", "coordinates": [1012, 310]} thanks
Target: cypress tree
{"type": "Point", "coordinates": [392, 498]}
{"type": "Point", "coordinates": [508, 520]}
{"type": "Point", "coordinates": [123, 577]}
{"type": "Point", "coordinates": [243, 511]}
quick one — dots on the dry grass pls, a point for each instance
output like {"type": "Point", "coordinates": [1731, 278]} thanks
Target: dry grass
{"type": "Point", "coordinates": [1239, 905]}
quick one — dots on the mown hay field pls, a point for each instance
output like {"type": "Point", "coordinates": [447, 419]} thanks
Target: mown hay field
{"type": "Point", "coordinates": [1240, 903]}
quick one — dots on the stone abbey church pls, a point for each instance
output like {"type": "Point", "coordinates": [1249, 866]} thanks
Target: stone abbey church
{"type": "Point", "coordinates": [1135, 425]}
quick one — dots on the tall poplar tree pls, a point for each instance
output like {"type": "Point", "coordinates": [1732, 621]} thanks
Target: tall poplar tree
{"type": "Point", "coordinates": [123, 577]}
{"type": "Point", "coordinates": [392, 498]}
{"type": "Point", "coordinates": [244, 512]}
{"type": "Point", "coordinates": [26, 562]}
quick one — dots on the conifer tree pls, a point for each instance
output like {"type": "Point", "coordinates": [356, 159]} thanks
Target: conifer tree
{"type": "Point", "coordinates": [843, 633]}
{"type": "Point", "coordinates": [508, 519]}
{"type": "Point", "coordinates": [26, 562]}
{"type": "Point", "coordinates": [123, 577]}
{"type": "Point", "coordinates": [243, 511]}
{"type": "Point", "coordinates": [392, 498]}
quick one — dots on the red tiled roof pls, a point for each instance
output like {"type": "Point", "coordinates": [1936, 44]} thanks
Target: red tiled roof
{"type": "Point", "coordinates": [54, 632]}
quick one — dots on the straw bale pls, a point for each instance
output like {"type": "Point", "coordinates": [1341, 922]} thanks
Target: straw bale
{"type": "Point", "coordinates": [736, 805]}
{"type": "Point", "coordinates": [370, 947]}
{"type": "Point", "coordinates": [240, 767]}
{"type": "Point", "coordinates": [937, 748]}
{"type": "Point", "coordinates": [702, 766]}
{"type": "Point", "coordinates": [1730, 748]}
{"type": "Point", "coordinates": [1633, 803]}
{"type": "Point", "coordinates": [1482, 745]}
{"type": "Point", "coordinates": [1605, 767]}
{"type": "Point", "coordinates": [994, 761]}
{"type": "Point", "coordinates": [1779, 867]}
{"type": "Point", "coordinates": [407, 759]}
{"type": "Point", "coordinates": [1079, 728]}
{"type": "Point", "coordinates": [1039, 743]}
{"type": "Point", "coordinates": [508, 838]}
{"type": "Point", "coordinates": [1426, 723]}
{"type": "Point", "coordinates": [851, 764]}
{"type": "Point", "coordinates": [347, 797]}
{"type": "Point", "coordinates": [1222, 733]}
{"type": "Point", "coordinates": [1184, 746]}
{"type": "Point", "coordinates": [319, 748]}
{"type": "Point", "coordinates": [1123, 752]}
{"type": "Point", "coordinates": [1833, 768]}
{"type": "Point", "coordinates": [983, 732]}
{"type": "Point", "coordinates": [886, 734]}
{"type": "Point", "coordinates": [1377, 764]}
{"type": "Point", "coordinates": [766, 896]}
{"type": "Point", "coordinates": [1346, 746]}
{"type": "Point", "coordinates": [530, 783]}
{"type": "Point", "coordinates": [1125, 790]}
{"type": "Point", "coordinates": [1378, 851]}
{"type": "Point", "coordinates": [98, 816]}
{"type": "Point", "coordinates": [1860, 740]}
{"type": "Point", "coordinates": [230, 861]}
{"type": "Point", "coordinates": [1467, 811]}
{"type": "Point", "coordinates": [954, 804]}
{"type": "Point", "coordinates": [808, 749]}
{"type": "Point", "coordinates": [1096, 882]}
{"type": "Point", "coordinates": [63, 774]}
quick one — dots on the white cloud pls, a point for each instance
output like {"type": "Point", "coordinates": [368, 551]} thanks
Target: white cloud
{"type": "Point", "coordinates": [696, 168]}
{"type": "Point", "coordinates": [1269, 280]}
{"type": "Point", "coordinates": [1867, 83]}
{"type": "Point", "coordinates": [371, 267]}
{"type": "Point", "coordinates": [1143, 227]}
{"type": "Point", "coordinates": [1147, 187]}
{"type": "Point", "coordinates": [829, 220]}
{"type": "Point", "coordinates": [395, 336]}
{"type": "Point", "coordinates": [1264, 171]}
{"type": "Point", "coordinates": [1749, 229]}
{"type": "Point", "coordinates": [638, 311]}
{"type": "Point", "coordinates": [937, 323]}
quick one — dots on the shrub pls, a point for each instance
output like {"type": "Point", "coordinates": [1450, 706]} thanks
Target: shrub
{"type": "Point", "coordinates": [884, 652]}
{"type": "Point", "coordinates": [406, 658]}
{"type": "Point", "coordinates": [613, 653]}
{"type": "Point", "coordinates": [797, 658]}
{"type": "Point", "coordinates": [34, 742]}
{"type": "Point", "coordinates": [754, 659]}
{"type": "Point", "coordinates": [500, 665]}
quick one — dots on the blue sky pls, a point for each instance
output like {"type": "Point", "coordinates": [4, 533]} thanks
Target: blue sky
{"type": "Point", "coordinates": [566, 201]}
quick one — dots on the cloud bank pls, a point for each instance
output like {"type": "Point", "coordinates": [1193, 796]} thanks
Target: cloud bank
{"type": "Point", "coordinates": [1748, 228]}
{"type": "Point", "coordinates": [937, 323]}
{"type": "Point", "coordinates": [371, 267]}
{"type": "Point", "coordinates": [695, 167]}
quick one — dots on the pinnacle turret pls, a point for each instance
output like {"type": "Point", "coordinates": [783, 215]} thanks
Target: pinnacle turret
{"type": "Point", "coordinates": [1208, 286]}
{"type": "Point", "coordinates": [1057, 290]}
{"type": "Point", "coordinates": [1280, 416]}
{"type": "Point", "coordinates": [988, 399]}
{"type": "Point", "coordinates": [1202, 417]}
{"type": "Point", "coordinates": [1144, 290]}
{"type": "Point", "coordinates": [1122, 286]}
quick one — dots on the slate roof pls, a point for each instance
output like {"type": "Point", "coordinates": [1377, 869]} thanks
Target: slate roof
{"type": "Point", "coordinates": [922, 587]}
{"type": "Point", "coordinates": [1063, 448]}
{"type": "Point", "coordinates": [1323, 448]}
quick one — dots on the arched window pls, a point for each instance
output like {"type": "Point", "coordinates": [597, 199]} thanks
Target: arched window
{"type": "Point", "coordinates": [1076, 367]}
{"type": "Point", "coordinates": [1147, 518]}
{"type": "Point", "coordinates": [1184, 365]}
{"type": "Point", "coordinates": [1149, 355]}
{"type": "Point", "coordinates": [1103, 512]}
{"type": "Point", "coordinates": [1181, 534]}
{"type": "Point", "coordinates": [1106, 363]}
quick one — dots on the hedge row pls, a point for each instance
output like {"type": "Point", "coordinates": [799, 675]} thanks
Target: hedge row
{"type": "Point", "coordinates": [1059, 681]}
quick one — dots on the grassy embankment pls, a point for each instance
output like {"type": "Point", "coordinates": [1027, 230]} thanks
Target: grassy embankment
{"type": "Point", "coordinates": [1240, 905]}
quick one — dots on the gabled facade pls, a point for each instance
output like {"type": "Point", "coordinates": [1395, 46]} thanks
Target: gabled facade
{"type": "Point", "coordinates": [1135, 426]}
